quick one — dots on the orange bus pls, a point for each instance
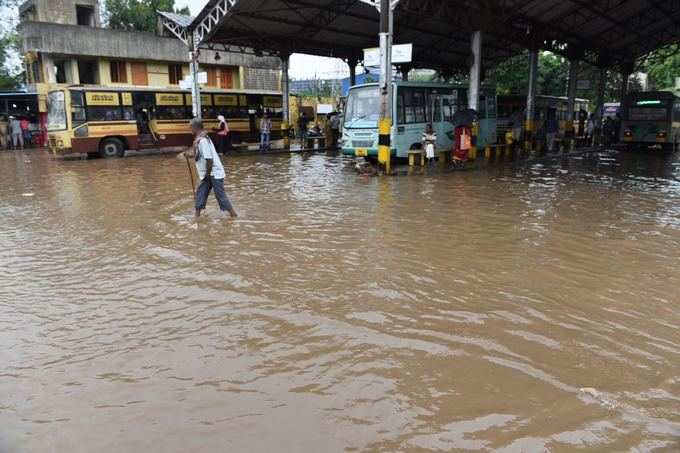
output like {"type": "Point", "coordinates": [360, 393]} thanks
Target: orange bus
{"type": "Point", "coordinates": [107, 121]}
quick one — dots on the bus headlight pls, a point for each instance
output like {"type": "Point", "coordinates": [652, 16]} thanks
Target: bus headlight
{"type": "Point", "coordinates": [627, 133]}
{"type": "Point", "coordinates": [661, 135]}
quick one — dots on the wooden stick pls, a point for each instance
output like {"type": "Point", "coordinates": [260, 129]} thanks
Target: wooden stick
{"type": "Point", "coordinates": [191, 175]}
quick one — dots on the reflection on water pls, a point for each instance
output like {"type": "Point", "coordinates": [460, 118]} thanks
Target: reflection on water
{"type": "Point", "coordinates": [514, 308]}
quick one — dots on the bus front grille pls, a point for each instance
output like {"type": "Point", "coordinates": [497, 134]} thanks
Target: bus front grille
{"type": "Point", "coordinates": [362, 143]}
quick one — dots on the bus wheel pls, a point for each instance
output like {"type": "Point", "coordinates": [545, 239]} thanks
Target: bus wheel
{"type": "Point", "coordinates": [111, 147]}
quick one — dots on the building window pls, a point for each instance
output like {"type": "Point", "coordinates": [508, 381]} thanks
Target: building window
{"type": "Point", "coordinates": [175, 73]}
{"type": "Point", "coordinates": [85, 15]}
{"type": "Point", "coordinates": [212, 77]}
{"type": "Point", "coordinates": [118, 72]}
{"type": "Point", "coordinates": [227, 78]}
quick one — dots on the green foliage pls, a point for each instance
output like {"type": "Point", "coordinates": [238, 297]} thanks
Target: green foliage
{"type": "Point", "coordinates": [511, 76]}
{"type": "Point", "coordinates": [138, 15]}
{"type": "Point", "coordinates": [10, 75]}
{"type": "Point", "coordinates": [662, 66]}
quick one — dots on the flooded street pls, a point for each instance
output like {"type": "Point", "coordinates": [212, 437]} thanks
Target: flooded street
{"type": "Point", "coordinates": [515, 308]}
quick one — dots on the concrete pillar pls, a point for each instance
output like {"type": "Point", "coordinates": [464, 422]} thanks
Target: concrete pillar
{"type": "Point", "coordinates": [73, 75]}
{"type": "Point", "coordinates": [571, 100]}
{"type": "Point", "coordinates": [475, 70]}
{"type": "Point", "coordinates": [352, 63]}
{"type": "Point", "coordinates": [285, 88]}
{"type": "Point", "coordinates": [625, 75]}
{"type": "Point", "coordinates": [602, 82]}
{"type": "Point", "coordinates": [49, 76]}
{"type": "Point", "coordinates": [531, 98]}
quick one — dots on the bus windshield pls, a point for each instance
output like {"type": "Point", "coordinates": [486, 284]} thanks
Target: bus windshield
{"type": "Point", "coordinates": [56, 111]}
{"type": "Point", "coordinates": [647, 114]}
{"type": "Point", "coordinates": [363, 107]}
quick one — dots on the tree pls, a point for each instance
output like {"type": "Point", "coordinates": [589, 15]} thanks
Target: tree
{"type": "Point", "coordinates": [138, 15]}
{"type": "Point", "coordinates": [10, 73]}
{"type": "Point", "coordinates": [662, 67]}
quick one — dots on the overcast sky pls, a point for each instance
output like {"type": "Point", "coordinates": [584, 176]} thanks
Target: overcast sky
{"type": "Point", "coordinates": [301, 66]}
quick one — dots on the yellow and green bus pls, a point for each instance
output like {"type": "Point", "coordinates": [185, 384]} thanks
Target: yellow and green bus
{"type": "Point", "coordinates": [107, 121]}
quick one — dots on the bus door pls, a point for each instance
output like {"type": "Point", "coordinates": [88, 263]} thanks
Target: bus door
{"type": "Point", "coordinates": [144, 107]}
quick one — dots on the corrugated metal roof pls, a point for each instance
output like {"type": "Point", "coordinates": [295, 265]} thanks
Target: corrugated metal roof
{"type": "Point", "coordinates": [180, 19]}
{"type": "Point", "coordinates": [613, 32]}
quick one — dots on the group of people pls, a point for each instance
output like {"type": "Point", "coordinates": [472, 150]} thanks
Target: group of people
{"type": "Point", "coordinates": [224, 138]}
{"type": "Point", "coordinates": [15, 133]}
{"type": "Point", "coordinates": [331, 130]}
{"type": "Point", "coordinates": [547, 129]}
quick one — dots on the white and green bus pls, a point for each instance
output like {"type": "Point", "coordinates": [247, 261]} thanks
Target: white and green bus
{"type": "Point", "coordinates": [414, 105]}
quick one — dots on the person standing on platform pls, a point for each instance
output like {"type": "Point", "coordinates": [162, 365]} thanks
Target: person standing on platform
{"type": "Point", "coordinates": [3, 133]}
{"type": "Point", "coordinates": [429, 141]}
{"type": "Point", "coordinates": [222, 135]}
{"type": "Point", "coordinates": [303, 121]}
{"type": "Point", "coordinates": [551, 128]}
{"type": "Point", "coordinates": [265, 131]}
{"type": "Point", "coordinates": [26, 132]}
{"type": "Point", "coordinates": [335, 129]}
{"type": "Point", "coordinates": [17, 134]}
{"type": "Point", "coordinates": [210, 170]}
{"type": "Point", "coordinates": [590, 130]}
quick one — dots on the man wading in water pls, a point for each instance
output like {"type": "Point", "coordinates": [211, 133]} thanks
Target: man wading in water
{"type": "Point", "coordinates": [210, 170]}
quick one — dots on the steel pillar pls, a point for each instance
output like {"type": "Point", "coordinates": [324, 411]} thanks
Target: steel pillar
{"type": "Point", "coordinates": [531, 99]}
{"type": "Point", "coordinates": [285, 88]}
{"type": "Point", "coordinates": [571, 101]}
{"type": "Point", "coordinates": [385, 123]}
{"type": "Point", "coordinates": [602, 82]}
{"type": "Point", "coordinates": [195, 87]}
{"type": "Point", "coordinates": [623, 90]}
{"type": "Point", "coordinates": [475, 70]}
{"type": "Point", "coordinates": [352, 63]}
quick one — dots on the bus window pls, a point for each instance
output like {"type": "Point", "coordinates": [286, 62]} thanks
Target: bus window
{"type": "Point", "coordinates": [481, 112]}
{"type": "Point", "coordinates": [400, 106]}
{"type": "Point", "coordinates": [676, 112]}
{"type": "Point", "coordinates": [647, 114]}
{"type": "Point", "coordinates": [170, 106]}
{"type": "Point", "coordinates": [450, 105]}
{"type": "Point", "coordinates": [491, 106]}
{"type": "Point", "coordinates": [103, 106]}
{"type": "Point", "coordinates": [414, 105]}
{"type": "Point", "coordinates": [255, 103]}
{"type": "Point", "coordinates": [77, 108]}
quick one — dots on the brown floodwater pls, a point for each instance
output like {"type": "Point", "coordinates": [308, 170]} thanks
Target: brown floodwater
{"type": "Point", "coordinates": [530, 307]}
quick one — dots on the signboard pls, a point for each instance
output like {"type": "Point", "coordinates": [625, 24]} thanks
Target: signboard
{"type": "Point", "coordinates": [206, 99]}
{"type": "Point", "coordinates": [272, 101]}
{"type": "Point", "coordinates": [226, 99]}
{"type": "Point", "coordinates": [401, 53]}
{"type": "Point", "coordinates": [95, 98]}
{"type": "Point", "coordinates": [583, 84]}
{"type": "Point", "coordinates": [169, 99]}
{"type": "Point", "coordinates": [323, 109]}
{"type": "Point", "coordinates": [127, 98]}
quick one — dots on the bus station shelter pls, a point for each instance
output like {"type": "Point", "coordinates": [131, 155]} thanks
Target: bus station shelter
{"type": "Point", "coordinates": [451, 36]}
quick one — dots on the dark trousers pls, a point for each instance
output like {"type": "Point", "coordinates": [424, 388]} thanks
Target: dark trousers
{"type": "Point", "coordinates": [223, 144]}
{"type": "Point", "coordinates": [207, 184]}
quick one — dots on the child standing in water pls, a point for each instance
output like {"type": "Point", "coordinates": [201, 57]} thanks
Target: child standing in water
{"type": "Point", "coordinates": [429, 141]}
